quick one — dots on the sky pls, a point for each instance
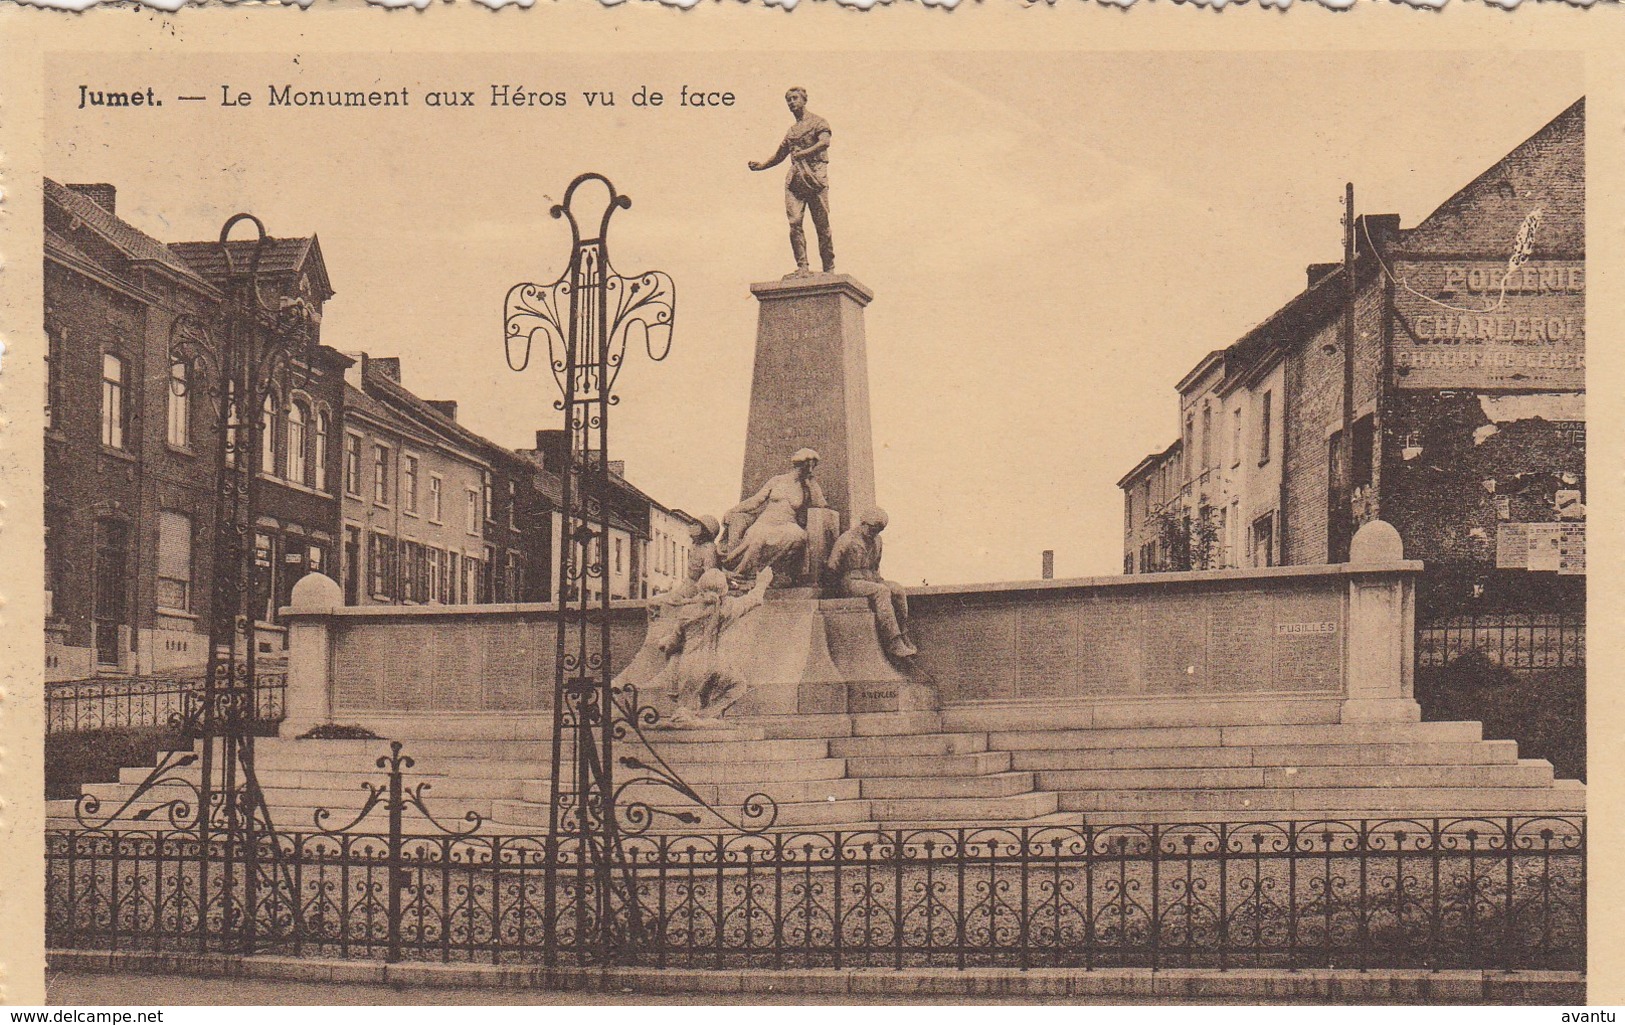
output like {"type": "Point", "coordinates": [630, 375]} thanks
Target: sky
{"type": "Point", "coordinates": [1053, 240]}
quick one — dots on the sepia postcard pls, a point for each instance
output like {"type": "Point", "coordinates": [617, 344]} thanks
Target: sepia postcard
{"type": "Point", "coordinates": [1028, 503]}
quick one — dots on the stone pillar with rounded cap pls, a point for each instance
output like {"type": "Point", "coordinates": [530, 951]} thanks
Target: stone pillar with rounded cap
{"type": "Point", "coordinates": [309, 700]}
{"type": "Point", "coordinates": [1381, 635]}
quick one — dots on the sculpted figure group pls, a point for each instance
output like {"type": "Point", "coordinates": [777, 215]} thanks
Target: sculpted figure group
{"type": "Point", "coordinates": [765, 543]}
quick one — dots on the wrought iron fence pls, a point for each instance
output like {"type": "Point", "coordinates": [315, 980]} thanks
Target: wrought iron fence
{"type": "Point", "coordinates": [1518, 642]}
{"type": "Point", "coordinates": [73, 706]}
{"type": "Point", "coordinates": [1438, 893]}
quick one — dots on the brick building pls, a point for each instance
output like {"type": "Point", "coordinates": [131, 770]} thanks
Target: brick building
{"type": "Point", "coordinates": [432, 512]}
{"type": "Point", "coordinates": [626, 552]}
{"type": "Point", "coordinates": [1466, 425]}
{"type": "Point", "coordinates": [130, 457]}
{"type": "Point", "coordinates": [1468, 391]}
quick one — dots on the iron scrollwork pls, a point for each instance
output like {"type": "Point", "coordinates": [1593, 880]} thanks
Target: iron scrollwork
{"type": "Point", "coordinates": [1503, 894]}
{"type": "Point", "coordinates": [241, 356]}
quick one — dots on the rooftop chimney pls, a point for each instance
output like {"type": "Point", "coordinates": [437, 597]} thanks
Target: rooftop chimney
{"type": "Point", "coordinates": [1318, 271]}
{"type": "Point", "coordinates": [554, 447]}
{"type": "Point", "coordinates": [1382, 230]}
{"type": "Point", "coordinates": [388, 366]}
{"type": "Point", "coordinates": [100, 193]}
{"type": "Point", "coordinates": [353, 372]}
{"type": "Point", "coordinates": [617, 467]}
{"type": "Point", "coordinates": [1049, 564]}
{"type": "Point", "coordinates": [445, 407]}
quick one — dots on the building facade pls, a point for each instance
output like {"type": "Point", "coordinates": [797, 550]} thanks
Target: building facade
{"type": "Point", "coordinates": [624, 549]}
{"type": "Point", "coordinates": [1211, 500]}
{"type": "Point", "coordinates": [1436, 381]}
{"type": "Point", "coordinates": [669, 544]}
{"type": "Point", "coordinates": [130, 444]}
{"type": "Point", "coordinates": [1466, 424]}
{"type": "Point", "coordinates": [432, 512]}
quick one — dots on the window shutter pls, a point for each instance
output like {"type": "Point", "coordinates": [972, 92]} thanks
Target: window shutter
{"type": "Point", "coordinates": [174, 546]}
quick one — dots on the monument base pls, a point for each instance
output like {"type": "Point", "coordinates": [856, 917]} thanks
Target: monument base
{"type": "Point", "coordinates": [811, 657]}
{"type": "Point", "coordinates": [804, 656]}
{"type": "Point", "coordinates": [1381, 710]}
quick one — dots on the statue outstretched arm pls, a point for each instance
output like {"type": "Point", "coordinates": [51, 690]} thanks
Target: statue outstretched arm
{"type": "Point", "coordinates": [776, 159]}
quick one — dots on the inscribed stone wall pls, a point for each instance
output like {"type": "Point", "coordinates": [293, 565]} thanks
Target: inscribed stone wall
{"type": "Point", "coordinates": [1220, 638]}
{"type": "Point", "coordinates": [491, 661]}
{"type": "Point", "coordinates": [1271, 633]}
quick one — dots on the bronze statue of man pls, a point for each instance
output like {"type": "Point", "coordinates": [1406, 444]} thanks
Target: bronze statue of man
{"type": "Point", "coordinates": [806, 186]}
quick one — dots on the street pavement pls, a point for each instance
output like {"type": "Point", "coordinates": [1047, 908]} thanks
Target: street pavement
{"type": "Point", "coordinates": [91, 989]}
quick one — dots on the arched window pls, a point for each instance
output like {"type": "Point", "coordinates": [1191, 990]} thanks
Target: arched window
{"type": "Point", "coordinates": [298, 455]}
{"type": "Point", "coordinates": [268, 437]}
{"type": "Point", "coordinates": [320, 458]}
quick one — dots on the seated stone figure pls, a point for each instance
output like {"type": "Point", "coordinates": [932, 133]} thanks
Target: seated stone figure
{"type": "Point", "coordinates": [855, 567]}
{"type": "Point", "coordinates": [769, 529]}
{"type": "Point", "coordinates": [702, 661]}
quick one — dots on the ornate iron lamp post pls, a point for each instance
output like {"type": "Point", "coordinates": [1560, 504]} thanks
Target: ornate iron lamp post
{"type": "Point", "coordinates": [586, 318]}
{"type": "Point", "coordinates": [246, 357]}
{"type": "Point", "coordinates": [252, 352]}
{"type": "Point", "coordinates": [240, 356]}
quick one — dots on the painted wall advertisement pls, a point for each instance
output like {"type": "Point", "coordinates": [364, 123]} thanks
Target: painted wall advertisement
{"type": "Point", "coordinates": [1483, 324]}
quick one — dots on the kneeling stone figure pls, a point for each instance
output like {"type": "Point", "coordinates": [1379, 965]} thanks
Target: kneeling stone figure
{"type": "Point", "coordinates": [703, 660]}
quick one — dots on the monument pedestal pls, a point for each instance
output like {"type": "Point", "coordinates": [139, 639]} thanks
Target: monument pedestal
{"type": "Point", "coordinates": [814, 657]}
{"type": "Point", "coordinates": [803, 656]}
{"type": "Point", "coordinates": [810, 388]}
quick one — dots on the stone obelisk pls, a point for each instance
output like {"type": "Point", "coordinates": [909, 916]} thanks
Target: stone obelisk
{"type": "Point", "coordinates": [810, 388]}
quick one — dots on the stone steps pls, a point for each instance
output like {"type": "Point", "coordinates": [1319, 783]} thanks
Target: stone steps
{"type": "Point", "coordinates": [923, 744]}
{"type": "Point", "coordinates": [969, 766]}
{"type": "Point", "coordinates": [1321, 734]}
{"type": "Point", "coordinates": [539, 791]}
{"type": "Point", "coordinates": [1524, 774]}
{"type": "Point", "coordinates": [983, 810]}
{"type": "Point", "coordinates": [1487, 752]}
{"type": "Point", "coordinates": [1126, 713]}
{"type": "Point", "coordinates": [714, 751]}
{"type": "Point", "coordinates": [743, 771]}
{"type": "Point", "coordinates": [976, 763]}
{"type": "Point", "coordinates": [999, 784]}
{"type": "Point", "coordinates": [279, 750]}
{"type": "Point", "coordinates": [863, 724]}
{"type": "Point", "coordinates": [1200, 804]}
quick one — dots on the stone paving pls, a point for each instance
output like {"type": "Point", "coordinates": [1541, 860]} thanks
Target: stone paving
{"type": "Point", "coordinates": [131, 978]}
